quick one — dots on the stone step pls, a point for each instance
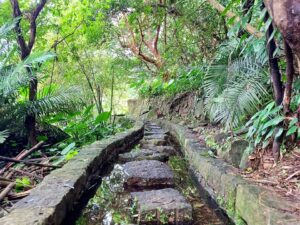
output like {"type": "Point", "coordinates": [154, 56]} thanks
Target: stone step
{"type": "Point", "coordinates": [143, 154]}
{"type": "Point", "coordinates": [169, 150]}
{"type": "Point", "coordinates": [152, 132]}
{"type": "Point", "coordinates": [147, 173]}
{"type": "Point", "coordinates": [156, 136]}
{"type": "Point", "coordinates": [152, 126]}
{"type": "Point", "coordinates": [164, 206]}
{"type": "Point", "coordinates": [153, 142]}
{"type": "Point", "coordinates": [154, 129]}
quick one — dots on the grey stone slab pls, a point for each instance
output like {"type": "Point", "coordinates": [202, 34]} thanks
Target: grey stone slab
{"type": "Point", "coordinates": [153, 142]}
{"type": "Point", "coordinates": [148, 173]}
{"type": "Point", "coordinates": [241, 199]}
{"type": "Point", "coordinates": [143, 154]}
{"type": "Point", "coordinates": [51, 201]}
{"type": "Point", "coordinates": [165, 205]}
{"type": "Point", "coordinates": [156, 136]}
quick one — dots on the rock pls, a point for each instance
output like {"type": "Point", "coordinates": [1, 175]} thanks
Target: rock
{"type": "Point", "coordinates": [153, 142]}
{"type": "Point", "coordinates": [143, 154]}
{"type": "Point", "coordinates": [199, 109]}
{"type": "Point", "coordinates": [164, 206]}
{"type": "Point", "coordinates": [245, 157]}
{"type": "Point", "coordinates": [151, 132]}
{"type": "Point", "coordinates": [169, 150]}
{"type": "Point", "coordinates": [236, 151]}
{"type": "Point", "coordinates": [267, 206]}
{"type": "Point", "coordinates": [156, 136]}
{"type": "Point", "coordinates": [153, 127]}
{"type": "Point", "coordinates": [147, 173]}
{"type": "Point", "coordinates": [221, 138]}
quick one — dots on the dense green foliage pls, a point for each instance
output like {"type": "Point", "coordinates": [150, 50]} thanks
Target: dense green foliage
{"type": "Point", "coordinates": [89, 57]}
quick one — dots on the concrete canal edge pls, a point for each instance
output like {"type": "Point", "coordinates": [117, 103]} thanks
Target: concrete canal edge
{"type": "Point", "coordinates": [56, 196]}
{"type": "Point", "coordinates": [243, 201]}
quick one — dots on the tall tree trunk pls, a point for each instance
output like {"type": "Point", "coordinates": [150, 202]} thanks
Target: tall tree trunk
{"type": "Point", "coordinates": [286, 16]}
{"type": "Point", "coordinates": [277, 84]}
{"type": "Point", "coordinates": [25, 51]}
{"type": "Point", "coordinates": [274, 66]}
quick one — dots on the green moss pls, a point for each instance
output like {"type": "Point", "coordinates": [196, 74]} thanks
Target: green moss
{"type": "Point", "coordinates": [239, 221]}
{"type": "Point", "coordinates": [228, 204]}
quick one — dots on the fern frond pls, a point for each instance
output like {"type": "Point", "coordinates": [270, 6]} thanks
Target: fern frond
{"type": "Point", "coordinates": [235, 91]}
{"type": "Point", "coordinates": [61, 100]}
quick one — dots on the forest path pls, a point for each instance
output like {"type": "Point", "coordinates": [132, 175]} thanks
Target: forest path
{"type": "Point", "coordinates": [157, 200]}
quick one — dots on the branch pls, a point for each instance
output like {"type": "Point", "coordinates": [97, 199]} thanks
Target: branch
{"type": "Point", "coordinates": [22, 155]}
{"type": "Point", "coordinates": [57, 42]}
{"type": "Point", "coordinates": [17, 14]}
{"type": "Point", "coordinates": [156, 39]}
{"type": "Point", "coordinates": [7, 190]}
{"type": "Point", "coordinates": [6, 159]}
{"type": "Point", "coordinates": [33, 18]}
{"type": "Point", "coordinates": [252, 30]}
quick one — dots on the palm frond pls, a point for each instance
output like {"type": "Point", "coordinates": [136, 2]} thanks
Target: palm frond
{"type": "Point", "coordinates": [16, 76]}
{"type": "Point", "coordinates": [3, 136]}
{"type": "Point", "coordinates": [7, 27]}
{"type": "Point", "coordinates": [61, 100]}
{"type": "Point", "coordinates": [234, 91]}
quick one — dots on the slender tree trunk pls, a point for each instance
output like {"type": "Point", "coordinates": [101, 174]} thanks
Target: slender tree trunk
{"type": "Point", "coordinates": [274, 66]}
{"type": "Point", "coordinates": [277, 84]}
{"type": "Point", "coordinates": [289, 78]}
{"type": "Point", "coordinates": [30, 120]}
{"type": "Point", "coordinates": [112, 92]}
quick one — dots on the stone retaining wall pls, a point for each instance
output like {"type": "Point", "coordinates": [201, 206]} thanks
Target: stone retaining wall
{"type": "Point", "coordinates": [243, 201]}
{"type": "Point", "coordinates": [51, 201]}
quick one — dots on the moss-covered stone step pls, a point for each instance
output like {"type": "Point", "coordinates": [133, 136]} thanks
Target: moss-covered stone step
{"type": "Point", "coordinates": [156, 136]}
{"type": "Point", "coordinates": [157, 142]}
{"type": "Point", "coordinates": [165, 206]}
{"type": "Point", "coordinates": [156, 131]}
{"type": "Point", "coordinates": [147, 173]}
{"type": "Point", "coordinates": [143, 154]}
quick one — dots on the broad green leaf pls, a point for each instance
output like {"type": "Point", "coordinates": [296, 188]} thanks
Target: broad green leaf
{"type": "Point", "coordinates": [292, 130]}
{"type": "Point", "coordinates": [270, 134]}
{"type": "Point", "coordinates": [103, 117]}
{"type": "Point", "coordinates": [274, 122]}
{"type": "Point", "coordinates": [293, 122]}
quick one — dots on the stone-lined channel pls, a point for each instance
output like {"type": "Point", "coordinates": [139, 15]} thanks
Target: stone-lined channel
{"type": "Point", "coordinates": [148, 185]}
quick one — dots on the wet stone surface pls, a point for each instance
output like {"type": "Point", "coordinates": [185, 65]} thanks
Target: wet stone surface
{"type": "Point", "coordinates": [156, 136]}
{"type": "Point", "coordinates": [146, 188]}
{"type": "Point", "coordinates": [143, 154]}
{"type": "Point", "coordinates": [157, 141]}
{"type": "Point", "coordinates": [165, 205]}
{"type": "Point", "coordinates": [148, 173]}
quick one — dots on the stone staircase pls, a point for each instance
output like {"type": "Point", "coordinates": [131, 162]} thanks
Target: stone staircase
{"type": "Point", "coordinates": [157, 201]}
